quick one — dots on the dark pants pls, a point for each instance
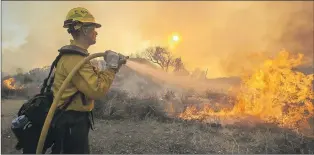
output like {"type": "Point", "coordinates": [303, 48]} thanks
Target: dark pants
{"type": "Point", "coordinates": [72, 129]}
{"type": "Point", "coordinates": [31, 137]}
{"type": "Point", "coordinates": [68, 134]}
{"type": "Point", "coordinates": [30, 140]}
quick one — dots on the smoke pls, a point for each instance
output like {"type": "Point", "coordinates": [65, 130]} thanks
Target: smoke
{"type": "Point", "coordinates": [223, 36]}
{"type": "Point", "coordinates": [173, 81]}
{"type": "Point", "coordinates": [135, 84]}
{"type": "Point", "coordinates": [298, 32]}
{"type": "Point", "coordinates": [289, 26]}
{"type": "Point", "coordinates": [220, 36]}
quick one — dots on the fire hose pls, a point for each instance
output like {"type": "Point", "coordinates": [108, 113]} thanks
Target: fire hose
{"type": "Point", "coordinates": [44, 131]}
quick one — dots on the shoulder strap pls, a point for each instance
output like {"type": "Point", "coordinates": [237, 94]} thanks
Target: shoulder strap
{"type": "Point", "coordinates": [68, 102]}
{"type": "Point", "coordinates": [53, 65]}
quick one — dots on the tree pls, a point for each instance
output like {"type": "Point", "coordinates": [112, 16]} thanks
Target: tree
{"type": "Point", "coordinates": [19, 71]}
{"type": "Point", "coordinates": [160, 56]}
{"type": "Point", "coordinates": [178, 64]}
{"type": "Point", "coordinates": [179, 67]}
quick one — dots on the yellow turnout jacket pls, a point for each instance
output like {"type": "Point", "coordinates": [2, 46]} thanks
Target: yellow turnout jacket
{"type": "Point", "coordinates": [88, 80]}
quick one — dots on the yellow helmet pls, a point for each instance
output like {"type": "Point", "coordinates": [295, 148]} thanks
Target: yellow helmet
{"type": "Point", "coordinates": [79, 14]}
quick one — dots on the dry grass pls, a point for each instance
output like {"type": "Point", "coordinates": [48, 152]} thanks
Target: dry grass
{"type": "Point", "coordinates": [136, 125]}
{"type": "Point", "coordinates": [118, 105]}
{"type": "Point", "coordinates": [151, 136]}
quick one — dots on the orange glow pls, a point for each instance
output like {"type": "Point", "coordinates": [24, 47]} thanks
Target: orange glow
{"type": "Point", "coordinates": [173, 40]}
{"type": "Point", "coordinates": [273, 93]}
{"type": "Point", "coordinates": [10, 84]}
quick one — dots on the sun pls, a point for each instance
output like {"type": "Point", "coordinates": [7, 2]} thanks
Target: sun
{"type": "Point", "coordinates": [175, 38]}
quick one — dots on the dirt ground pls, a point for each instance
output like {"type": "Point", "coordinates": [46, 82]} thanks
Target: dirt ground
{"type": "Point", "coordinates": [126, 136]}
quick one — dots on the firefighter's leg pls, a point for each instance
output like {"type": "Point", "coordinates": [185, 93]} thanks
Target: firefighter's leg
{"type": "Point", "coordinates": [76, 139]}
{"type": "Point", "coordinates": [30, 140]}
{"type": "Point", "coordinates": [60, 130]}
{"type": "Point", "coordinates": [59, 141]}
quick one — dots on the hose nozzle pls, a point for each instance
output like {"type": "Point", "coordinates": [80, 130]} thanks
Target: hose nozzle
{"type": "Point", "coordinates": [123, 59]}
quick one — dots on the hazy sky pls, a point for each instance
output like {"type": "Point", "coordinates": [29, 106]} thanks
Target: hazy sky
{"type": "Point", "coordinates": [220, 36]}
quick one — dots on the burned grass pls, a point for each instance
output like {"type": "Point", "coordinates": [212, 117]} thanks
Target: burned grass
{"type": "Point", "coordinates": [151, 136]}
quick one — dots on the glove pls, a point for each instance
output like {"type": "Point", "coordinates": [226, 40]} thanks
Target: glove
{"type": "Point", "coordinates": [114, 60]}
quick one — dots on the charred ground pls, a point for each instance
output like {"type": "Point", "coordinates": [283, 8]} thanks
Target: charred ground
{"type": "Point", "coordinates": [125, 125]}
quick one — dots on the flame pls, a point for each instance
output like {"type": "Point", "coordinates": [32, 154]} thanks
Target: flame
{"type": "Point", "coordinates": [274, 93]}
{"type": "Point", "coordinates": [10, 84]}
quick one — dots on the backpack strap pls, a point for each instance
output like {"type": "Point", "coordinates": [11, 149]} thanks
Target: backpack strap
{"type": "Point", "coordinates": [68, 102]}
{"type": "Point", "coordinates": [53, 65]}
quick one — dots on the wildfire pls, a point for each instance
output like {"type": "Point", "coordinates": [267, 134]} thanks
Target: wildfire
{"type": "Point", "coordinates": [11, 84]}
{"type": "Point", "coordinates": [273, 93]}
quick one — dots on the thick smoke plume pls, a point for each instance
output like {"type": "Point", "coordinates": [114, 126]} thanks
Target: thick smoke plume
{"type": "Point", "coordinates": [220, 36]}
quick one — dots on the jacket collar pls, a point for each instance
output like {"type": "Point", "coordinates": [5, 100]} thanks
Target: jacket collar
{"type": "Point", "coordinates": [73, 49]}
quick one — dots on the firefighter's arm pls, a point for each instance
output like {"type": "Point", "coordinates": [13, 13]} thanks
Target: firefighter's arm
{"type": "Point", "coordinates": [94, 84]}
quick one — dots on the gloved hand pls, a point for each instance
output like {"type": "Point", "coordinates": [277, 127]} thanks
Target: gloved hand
{"type": "Point", "coordinates": [114, 60]}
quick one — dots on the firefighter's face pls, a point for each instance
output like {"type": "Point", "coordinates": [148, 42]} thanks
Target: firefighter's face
{"type": "Point", "coordinates": [90, 34]}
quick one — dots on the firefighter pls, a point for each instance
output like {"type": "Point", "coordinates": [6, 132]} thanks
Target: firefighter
{"type": "Point", "coordinates": [72, 127]}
